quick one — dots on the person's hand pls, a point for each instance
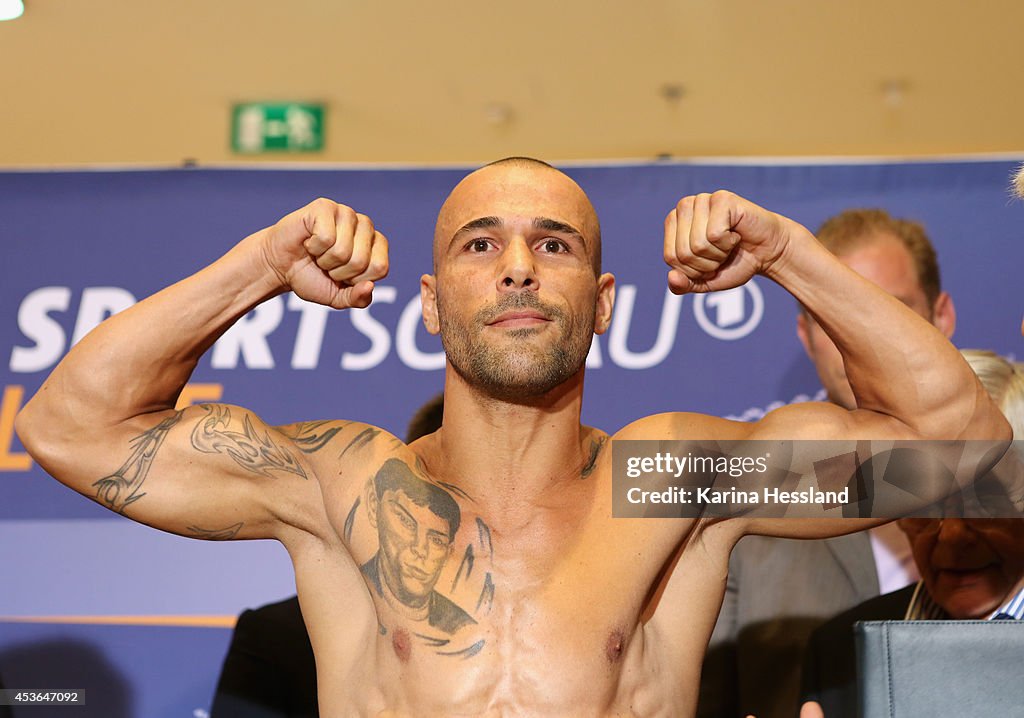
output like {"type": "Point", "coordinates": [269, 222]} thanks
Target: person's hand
{"type": "Point", "coordinates": [810, 709]}
{"type": "Point", "coordinates": [327, 253]}
{"type": "Point", "coordinates": [719, 241]}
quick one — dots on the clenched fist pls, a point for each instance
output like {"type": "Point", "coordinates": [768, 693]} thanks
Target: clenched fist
{"type": "Point", "coordinates": [719, 241]}
{"type": "Point", "coordinates": [327, 253]}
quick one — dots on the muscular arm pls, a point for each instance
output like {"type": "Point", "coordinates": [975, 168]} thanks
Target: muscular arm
{"type": "Point", "coordinates": [909, 381]}
{"type": "Point", "coordinates": [104, 422]}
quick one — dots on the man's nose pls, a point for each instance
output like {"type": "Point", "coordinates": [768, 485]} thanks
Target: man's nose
{"type": "Point", "coordinates": [518, 269]}
{"type": "Point", "coordinates": [955, 530]}
{"type": "Point", "coordinates": [419, 546]}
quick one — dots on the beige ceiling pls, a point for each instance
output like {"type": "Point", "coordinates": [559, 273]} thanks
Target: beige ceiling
{"type": "Point", "coordinates": [148, 81]}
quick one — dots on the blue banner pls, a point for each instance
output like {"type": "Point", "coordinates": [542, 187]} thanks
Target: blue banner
{"type": "Point", "coordinates": [82, 245]}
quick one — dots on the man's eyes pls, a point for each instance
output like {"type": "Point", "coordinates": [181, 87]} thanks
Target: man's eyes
{"type": "Point", "coordinates": [406, 521]}
{"type": "Point", "coordinates": [554, 246]}
{"type": "Point", "coordinates": [547, 246]}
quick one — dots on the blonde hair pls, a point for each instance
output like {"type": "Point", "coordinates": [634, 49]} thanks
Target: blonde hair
{"type": "Point", "coordinates": [1004, 382]}
{"type": "Point", "coordinates": [1018, 182]}
{"type": "Point", "coordinates": [855, 228]}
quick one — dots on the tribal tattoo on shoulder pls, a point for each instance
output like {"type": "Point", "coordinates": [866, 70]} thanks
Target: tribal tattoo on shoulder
{"type": "Point", "coordinates": [254, 451]}
{"type": "Point", "coordinates": [311, 436]}
{"type": "Point", "coordinates": [123, 487]}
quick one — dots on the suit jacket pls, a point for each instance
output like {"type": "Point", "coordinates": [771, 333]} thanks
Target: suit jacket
{"type": "Point", "coordinates": [830, 662]}
{"type": "Point", "coordinates": [269, 671]}
{"type": "Point", "coordinates": [778, 591]}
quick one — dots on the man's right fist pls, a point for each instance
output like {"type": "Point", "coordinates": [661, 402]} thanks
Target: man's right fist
{"type": "Point", "coordinates": [327, 253]}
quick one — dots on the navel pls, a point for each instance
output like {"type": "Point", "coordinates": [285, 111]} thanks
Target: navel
{"type": "Point", "coordinates": [402, 643]}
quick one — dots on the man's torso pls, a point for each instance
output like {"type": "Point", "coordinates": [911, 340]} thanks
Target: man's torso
{"type": "Point", "coordinates": [543, 608]}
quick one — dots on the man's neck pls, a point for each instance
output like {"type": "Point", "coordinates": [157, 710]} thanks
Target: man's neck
{"type": "Point", "coordinates": [507, 454]}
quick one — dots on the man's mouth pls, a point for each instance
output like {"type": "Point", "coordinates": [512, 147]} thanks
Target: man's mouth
{"type": "Point", "coordinates": [519, 318]}
{"type": "Point", "coordinates": [415, 573]}
{"type": "Point", "coordinates": [963, 573]}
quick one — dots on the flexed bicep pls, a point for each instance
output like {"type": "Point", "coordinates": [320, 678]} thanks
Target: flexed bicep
{"type": "Point", "coordinates": [213, 471]}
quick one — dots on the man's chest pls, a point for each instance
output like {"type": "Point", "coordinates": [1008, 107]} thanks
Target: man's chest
{"type": "Point", "coordinates": [534, 648]}
{"type": "Point", "coordinates": [459, 578]}
{"type": "Point", "coordinates": [485, 608]}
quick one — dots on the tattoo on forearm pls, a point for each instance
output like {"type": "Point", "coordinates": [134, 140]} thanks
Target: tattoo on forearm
{"type": "Point", "coordinates": [361, 439]}
{"type": "Point", "coordinates": [225, 534]}
{"type": "Point", "coordinates": [595, 451]}
{"type": "Point", "coordinates": [311, 436]}
{"type": "Point", "coordinates": [122, 487]}
{"type": "Point", "coordinates": [253, 452]}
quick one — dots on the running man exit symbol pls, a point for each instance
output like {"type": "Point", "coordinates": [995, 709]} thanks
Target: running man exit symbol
{"type": "Point", "coordinates": [277, 127]}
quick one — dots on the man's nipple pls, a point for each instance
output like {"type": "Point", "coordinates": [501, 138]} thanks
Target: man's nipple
{"type": "Point", "coordinates": [402, 643]}
{"type": "Point", "coordinates": [614, 647]}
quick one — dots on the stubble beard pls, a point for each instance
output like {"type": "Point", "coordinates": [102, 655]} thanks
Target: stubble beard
{"type": "Point", "coordinates": [523, 370]}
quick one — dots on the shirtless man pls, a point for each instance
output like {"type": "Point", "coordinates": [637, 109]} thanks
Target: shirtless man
{"type": "Point", "coordinates": [573, 612]}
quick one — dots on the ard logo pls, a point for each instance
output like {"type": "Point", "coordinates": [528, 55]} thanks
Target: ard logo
{"type": "Point", "coordinates": [732, 314]}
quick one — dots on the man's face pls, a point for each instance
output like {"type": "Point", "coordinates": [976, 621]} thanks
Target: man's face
{"type": "Point", "coordinates": [887, 263]}
{"type": "Point", "coordinates": [516, 298]}
{"type": "Point", "coordinates": [414, 546]}
{"type": "Point", "coordinates": [971, 566]}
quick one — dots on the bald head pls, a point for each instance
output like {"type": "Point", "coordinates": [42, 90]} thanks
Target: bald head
{"type": "Point", "coordinates": [518, 188]}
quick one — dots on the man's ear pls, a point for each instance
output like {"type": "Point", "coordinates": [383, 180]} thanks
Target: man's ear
{"type": "Point", "coordinates": [428, 300]}
{"type": "Point", "coordinates": [605, 303]}
{"type": "Point", "coordinates": [803, 332]}
{"type": "Point", "coordinates": [944, 315]}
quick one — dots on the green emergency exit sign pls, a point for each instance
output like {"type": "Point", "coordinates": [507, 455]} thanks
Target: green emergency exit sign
{"type": "Point", "coordinates": [258, 127]}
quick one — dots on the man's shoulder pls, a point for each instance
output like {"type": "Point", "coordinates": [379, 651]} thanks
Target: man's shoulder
{"type": "Point", "coordinates": [313, 436]}
{"type": "Point", "coordinates": [360, 449]}
{"type": "Point", "coordinates": [682, 426]}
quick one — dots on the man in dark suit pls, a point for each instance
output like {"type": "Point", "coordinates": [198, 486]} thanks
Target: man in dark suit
{"type": "Point", "coordinates": [778, 589]}
{"type": "Point", "coordinates": [269, 671]}
{"type": "Point", "coordinates": [970, 569]}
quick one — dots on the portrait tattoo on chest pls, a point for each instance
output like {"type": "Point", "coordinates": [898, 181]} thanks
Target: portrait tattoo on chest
{"type": "Point", "coordinates": [417, 530]}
